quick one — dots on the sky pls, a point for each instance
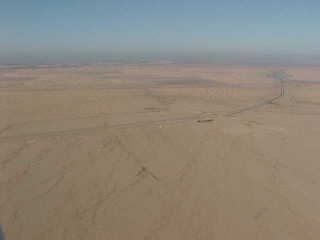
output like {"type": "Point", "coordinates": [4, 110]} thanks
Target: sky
{"type": "Point", "coordinates": [71, 28]}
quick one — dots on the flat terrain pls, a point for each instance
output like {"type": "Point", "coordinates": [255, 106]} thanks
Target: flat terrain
{"type": "Point", "coordinates": [160, 151]}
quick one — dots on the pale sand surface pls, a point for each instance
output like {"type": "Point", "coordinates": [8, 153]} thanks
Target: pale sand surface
{"type": "Point", "coordinates": [163, 151]}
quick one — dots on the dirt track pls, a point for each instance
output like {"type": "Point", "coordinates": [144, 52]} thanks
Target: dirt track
{"type": "Point", "coordinates": [120, 152]}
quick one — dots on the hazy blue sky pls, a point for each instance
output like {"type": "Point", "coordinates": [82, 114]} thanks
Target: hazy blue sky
{"type": "Point", "coordinates": [120, 26]}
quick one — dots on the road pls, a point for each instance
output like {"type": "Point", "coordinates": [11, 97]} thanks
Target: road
{"type": "Point", "coordinates": [280, 76]}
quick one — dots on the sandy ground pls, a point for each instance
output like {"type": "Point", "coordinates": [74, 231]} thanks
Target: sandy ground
{"type": "Point", "coordinates": [181, 152]}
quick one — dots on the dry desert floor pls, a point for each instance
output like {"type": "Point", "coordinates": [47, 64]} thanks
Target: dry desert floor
{"type": "Point", "coordinates": [160, 151]}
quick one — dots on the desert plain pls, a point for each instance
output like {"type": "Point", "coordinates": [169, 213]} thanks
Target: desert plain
{"type": "Point", "coordinates": [160, 151]}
